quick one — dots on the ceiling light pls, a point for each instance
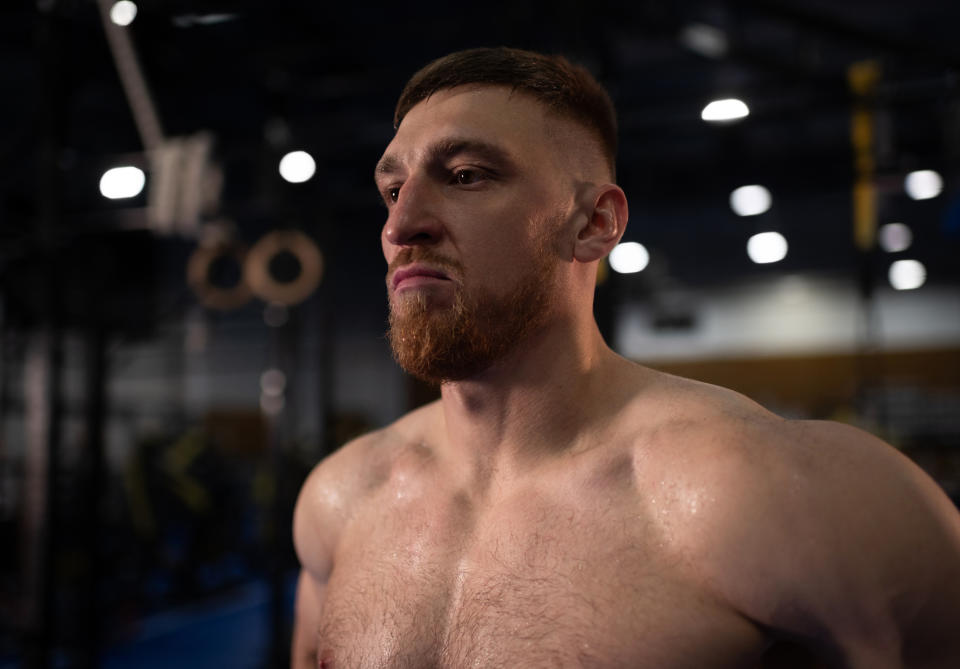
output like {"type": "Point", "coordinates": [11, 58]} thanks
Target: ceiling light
{"type": "Point", "coordinates": [297, 167]}
{"type": "Point", "coordinates": [750, 200]}
{"type": "Point", "coordinates": [907, 274]}
{"type": "Point", "coordinates": [895, 237]}
{"type": "Point", "coordinates": [629, 258]}
{"type": "Point", "coordinates": [122, 182]}
{"type": "Point", "coordinates": [705, 40]}
{"type": "Point", "coordinates": [729, 109]}
{"type": "Point", "coordinates": [767, 247]}
{"type": "Point", "coordinates": [123, 12]}
{"type": "Point", "coordinates": [923, 184]}
{"type": "Point", "coordinates": [190, 20]}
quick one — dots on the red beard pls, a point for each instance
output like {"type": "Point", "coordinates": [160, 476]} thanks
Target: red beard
{"type": "Point", "coordinates": [450, 343]}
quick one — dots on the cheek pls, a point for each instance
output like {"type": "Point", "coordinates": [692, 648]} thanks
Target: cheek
{"type": "Point", "coordinates": [500, 264]}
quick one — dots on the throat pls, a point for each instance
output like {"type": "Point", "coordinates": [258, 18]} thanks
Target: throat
{"type": "Point", "coordinates": [513, 431]}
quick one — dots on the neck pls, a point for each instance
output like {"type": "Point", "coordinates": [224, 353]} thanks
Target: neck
{"type": "Point", "coordinates": [533, 404]}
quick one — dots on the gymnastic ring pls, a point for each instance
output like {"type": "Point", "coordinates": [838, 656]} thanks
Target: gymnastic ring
{"type": "Point", "coordinates": [264, 285]}
{"type": "Point", "coordinates": [198, 277]}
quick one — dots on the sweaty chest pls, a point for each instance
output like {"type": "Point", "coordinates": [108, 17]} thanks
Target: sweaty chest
{"type": "Point", "coordinates": [533, 582]}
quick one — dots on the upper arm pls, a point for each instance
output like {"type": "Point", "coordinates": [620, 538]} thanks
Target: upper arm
{"type": "Point", "coordinates": [821, 532]}
{"type": "Point", "coordinates": [898, 545]}
{"type": "Point", "coordinates": [323, 508]}
{"type": "Point", "coordinates": [869, 550]}
{"type": "Point", "coordinates": [306, 621]}
{"type": "Point", "coordinates": [928, 619]}
{"type": "Point", "coordinates": [314, 547]}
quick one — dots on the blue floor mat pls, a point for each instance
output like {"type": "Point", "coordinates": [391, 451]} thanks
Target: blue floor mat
{"type": "Point", "coordinates": [231, 632]}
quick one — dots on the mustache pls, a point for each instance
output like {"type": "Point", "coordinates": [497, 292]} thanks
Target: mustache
{"type": "Point", "coordinates": [426, 256]}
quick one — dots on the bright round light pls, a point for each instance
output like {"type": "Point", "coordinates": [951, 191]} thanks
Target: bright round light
{"type": "Point", "coordinates": [750, 200]}
{"type": "Point", "coordinates": [297, 167]}
{"type": "Point", "coordinates": [123, 12]}
{"type": "Point", "coordinates": [725, 110]}
{"type": "Point", "coordinates": [767, 247]}
{"type": "Point", "coordinates": [923, 184]}
{"type": "Point", "coordinates": [907, 274]}
{"type": "Point", "coordinates": [895, 237]}
{"type": "Point", "coordinates": [629, 258]}
{"type": "Point", "coordinates": [122, 182]}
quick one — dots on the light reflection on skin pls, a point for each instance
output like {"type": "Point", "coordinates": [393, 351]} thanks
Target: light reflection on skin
{"type": "Point", "coordinates": [674, 505]}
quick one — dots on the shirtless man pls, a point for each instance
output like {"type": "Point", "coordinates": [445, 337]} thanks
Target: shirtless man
{"type": "Point", "coordinates": [560, 506]}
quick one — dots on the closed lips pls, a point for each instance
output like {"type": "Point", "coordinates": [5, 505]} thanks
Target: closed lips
{"type": "Point", "coordinates": [416, 270]}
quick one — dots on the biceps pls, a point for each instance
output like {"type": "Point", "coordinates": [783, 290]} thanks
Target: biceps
{"type": "Point", "coordinates": [306, 622]}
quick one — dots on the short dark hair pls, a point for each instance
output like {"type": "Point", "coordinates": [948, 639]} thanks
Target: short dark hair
{"type": "Point", "coordinates": [566, 89]}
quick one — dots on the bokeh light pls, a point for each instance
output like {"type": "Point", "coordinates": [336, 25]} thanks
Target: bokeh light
{"type": "Point", "coordinates": [704, 39]}
{"type": "Point", "coordinates": [907, 274]}
{"type": "Point", "coordinates": [122, 182]}
{"type": "Point", "coordinates": [297, 167]}
{"type": "Point", "coordinates": [750, 200]}
{"type": "Point", "coordinates": [923, 184]}
{"type": "Point", "coordinates": [629, 258]}
{"type": "Point", "coordinates": [895, 237]}
{"type": "Point", "coordinates": [767, 247]}
{"type": "Point", "coordinates": [123, 12]}
{"type": "Point", "coordinates": [729, 109]}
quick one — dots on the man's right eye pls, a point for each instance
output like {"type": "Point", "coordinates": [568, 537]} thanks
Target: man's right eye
{"type": "Point", "coordinates": [393, 193]}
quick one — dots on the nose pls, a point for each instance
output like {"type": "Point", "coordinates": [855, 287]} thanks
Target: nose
{"type": "Point", "coordinates": [414, 218]}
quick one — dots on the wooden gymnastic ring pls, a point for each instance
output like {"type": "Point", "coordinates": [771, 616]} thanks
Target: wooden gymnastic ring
{"type": "Point", "coordinates": [264, 285]}
{"type": "Point", "coordinates": [209, 294]}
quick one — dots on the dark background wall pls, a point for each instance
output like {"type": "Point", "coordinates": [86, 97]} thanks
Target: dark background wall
{"type": "Point", "coordinates": [150, 452]}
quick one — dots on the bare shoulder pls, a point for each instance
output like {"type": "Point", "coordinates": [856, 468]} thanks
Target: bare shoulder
{"type": "Point", "coordinates": [816, 528]}
{"type": "Point", "coordinates": [343, 480]}
{"type": "Point", "coordinates": [886, 539]}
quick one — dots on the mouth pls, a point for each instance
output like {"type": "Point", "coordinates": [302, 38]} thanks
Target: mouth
{"type": "Point", "coordinates": [411, 276]}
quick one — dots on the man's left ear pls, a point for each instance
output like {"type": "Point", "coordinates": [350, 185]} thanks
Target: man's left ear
{"type": "Point", "coordinates": [604, 224]}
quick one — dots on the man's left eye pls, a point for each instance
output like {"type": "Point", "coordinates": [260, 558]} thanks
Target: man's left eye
{"type": "Point", "coordinates": [466, 177]}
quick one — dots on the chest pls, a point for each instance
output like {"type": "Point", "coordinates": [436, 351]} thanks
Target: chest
{"type": "Point", "coordinates": [533, 582]}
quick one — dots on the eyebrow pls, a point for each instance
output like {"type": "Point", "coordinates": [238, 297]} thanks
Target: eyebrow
{"type": "Point", "coordinates": [447, 148]}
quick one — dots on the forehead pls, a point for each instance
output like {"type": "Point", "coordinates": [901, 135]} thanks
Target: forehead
{"type": "Point", "coordinates": [515, 122]}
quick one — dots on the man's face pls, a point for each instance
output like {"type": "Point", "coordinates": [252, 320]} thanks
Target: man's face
{"type": "Point", "coordinates": [476, 196]}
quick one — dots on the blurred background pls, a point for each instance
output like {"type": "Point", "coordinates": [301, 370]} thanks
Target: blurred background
{"type": "Point", "coordinates": [192, 309]}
